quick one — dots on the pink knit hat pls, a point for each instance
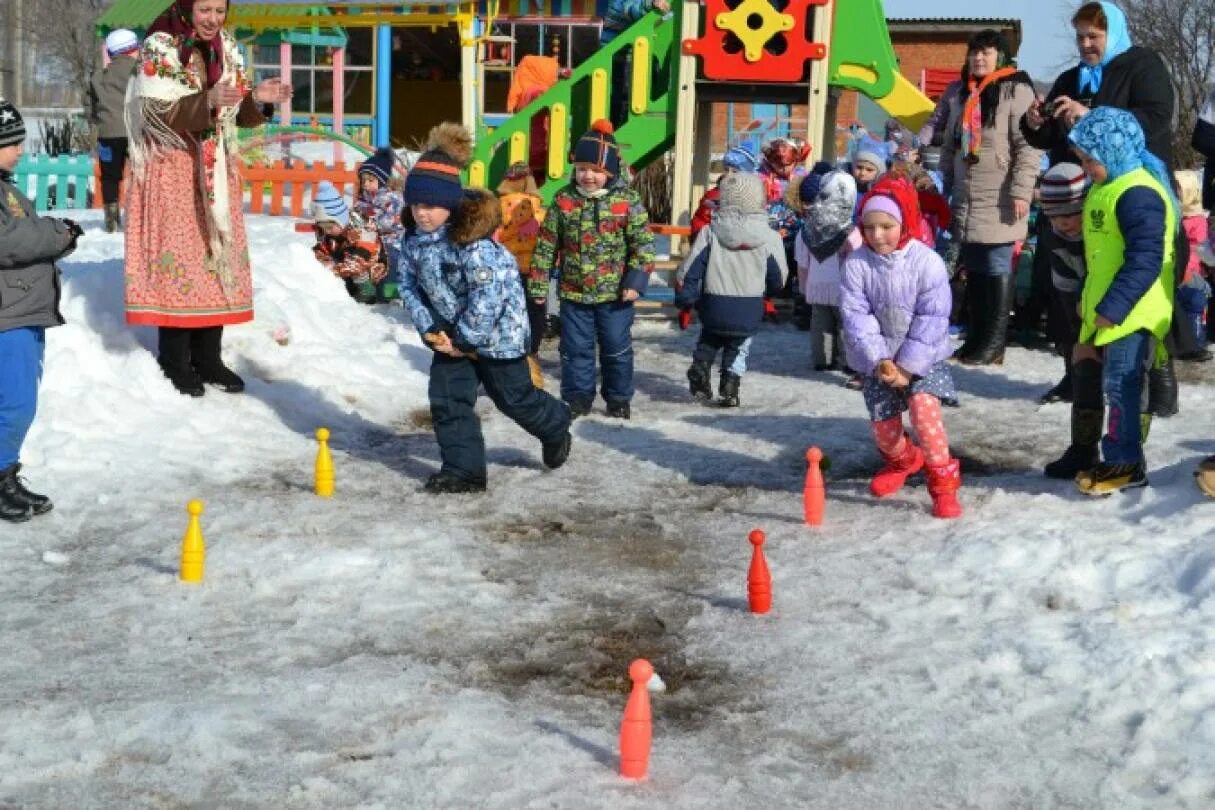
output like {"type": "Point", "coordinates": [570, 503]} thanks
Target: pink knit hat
{"type": "Point", "coordinates": [885, 205]}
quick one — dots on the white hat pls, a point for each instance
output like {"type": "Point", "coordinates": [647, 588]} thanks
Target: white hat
{"type": "Point", "coordinates": [121, 40]}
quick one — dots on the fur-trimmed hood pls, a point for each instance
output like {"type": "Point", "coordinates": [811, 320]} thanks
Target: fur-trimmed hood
{"type": "Point", "coordinates": [478, 216]}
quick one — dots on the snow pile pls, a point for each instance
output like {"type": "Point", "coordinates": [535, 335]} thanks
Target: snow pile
{"type": "Point", "coordinates": [386, 649]}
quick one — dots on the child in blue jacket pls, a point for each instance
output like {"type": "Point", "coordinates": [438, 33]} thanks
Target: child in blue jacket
{"type": "Point", "coordinates": [466, 299]}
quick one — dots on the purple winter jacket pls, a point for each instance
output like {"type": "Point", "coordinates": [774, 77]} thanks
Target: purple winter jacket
{"type": "Point", "coordinates": [895, 307]}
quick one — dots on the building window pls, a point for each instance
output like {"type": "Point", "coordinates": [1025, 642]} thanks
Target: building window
{"type": "Point", "coordinates": [312, 73]}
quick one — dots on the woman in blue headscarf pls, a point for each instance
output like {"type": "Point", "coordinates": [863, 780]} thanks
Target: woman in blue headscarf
{"type": "Point", "coordinates": [1112, 73]}
{"type": "Point", "coordinates": [1131, 220]}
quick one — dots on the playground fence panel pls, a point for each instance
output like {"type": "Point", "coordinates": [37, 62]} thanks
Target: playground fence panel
{"type": "Point", "coordinates": [55, 183]}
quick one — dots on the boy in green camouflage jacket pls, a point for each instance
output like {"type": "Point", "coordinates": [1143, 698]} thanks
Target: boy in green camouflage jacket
{"type": "Point", "coordinates": [595, 241]}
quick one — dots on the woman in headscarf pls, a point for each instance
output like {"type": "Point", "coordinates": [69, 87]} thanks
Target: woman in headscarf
{"type": "Point", "coordinates": [1131, 222]}
{"type": "Point", "coordinates": [187, 258]}
{"type": "Point", "coordinates": [991, 170]}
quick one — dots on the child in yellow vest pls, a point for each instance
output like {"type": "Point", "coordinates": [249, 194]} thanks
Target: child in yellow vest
{"type": "Point", "coordinates": [1131, 220]}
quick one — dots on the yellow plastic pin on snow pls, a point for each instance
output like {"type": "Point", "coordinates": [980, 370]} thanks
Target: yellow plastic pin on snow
{"type": "Point", "coordinates": [324, 465]}
{"type": "Point", "coordinates": [193, 549]}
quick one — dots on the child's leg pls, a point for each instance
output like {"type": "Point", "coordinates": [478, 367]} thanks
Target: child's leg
{"type": "Point", "coordinates": [707, 345]}
{"type": "Point", "coordinates": [929, 428]}
{"type": "Point", "coordinates": [537, 321]}
{"type": "Point", "coordinates": [903, 459]}
{"type": "Point", "coordinates": [509, 385]}
{"type": "Point", "coordinates": [577, 353]}
{"type": "Point", "coordinates": [889, 436]}
{"type": "Point", "coordinates": [734, 354]}
{"type": "Point", "coordinates": [21, 353]}
{"type": "Point", "coordinates": [613, 328]}
{"type": "Point", "coordinates": [453, 398]}
{"type": "Point", "coordinates": [1123, 373]}
{"type": "Point", "coordinates": [837, 337]}
{"type": "Point", "coordinates": [819, 327]}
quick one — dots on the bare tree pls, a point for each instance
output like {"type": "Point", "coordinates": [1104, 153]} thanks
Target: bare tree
{"type": "Point", "coordinates": [1183, 33]}
{"type": "Point", "coordinates": [64, 33]}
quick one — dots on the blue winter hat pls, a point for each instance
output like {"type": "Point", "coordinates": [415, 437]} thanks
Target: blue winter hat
{"type": "Point", "coordinates": [435, 177]}
{"type": "Point", "coordinates": [328, 205]}
{"type": "Point", "coordinates": [809, 188]}
{"type": "Point", "coordinates": [598, 147]}
{"type": "Point", "coordinates": [379, 165]}
{"type": "Point", "coordinates": [740, 159]}
{"type": "Point", "coordinates": [873, 152]}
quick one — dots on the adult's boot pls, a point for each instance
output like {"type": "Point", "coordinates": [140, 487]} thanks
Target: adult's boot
{"type": "Point", "coordinates": [1082, 454]}
{"type": "Point", "coordinates": [174, 360]}
{"type": "Point", "coordinates": [998, 299]}
{"type": "Point", "coordinates": [13, 507]}
{"type": "Point", "coordinates": [205, 345]}
{"type": "Point", "coordinates": [38, 504]}
{"type": "Point", "coordinates": [1162, 390]}
{"type": "Point", "coordinates": [976, 317]}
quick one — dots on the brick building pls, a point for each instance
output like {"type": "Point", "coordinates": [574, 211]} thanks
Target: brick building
{"type": "Point", "coordinates": [930, 53]}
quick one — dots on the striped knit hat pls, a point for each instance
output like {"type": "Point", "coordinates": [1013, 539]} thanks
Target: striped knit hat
{"type": "Point", "coordinates": [1063, 188]}
{"type": "Point", "coordinates": [598, 147]}
{"type": "Point", "coordinates": [328, 205]}
{"type": "Point", "coordinates": [12, 127]}
{"type": "Point", "coordinates": [435, 178]}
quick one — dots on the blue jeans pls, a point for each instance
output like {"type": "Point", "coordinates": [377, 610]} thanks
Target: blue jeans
{"type": "Point", "coordinates": [21, 355]}
{"type": "Point", "coordinates": [454, 382]}
{"type": "Point", "coordinates": [987, 260]}
{"type": "Point", "coordinates": [582, 325]}
{"type": "Point", "coordinates": [1123, 371]}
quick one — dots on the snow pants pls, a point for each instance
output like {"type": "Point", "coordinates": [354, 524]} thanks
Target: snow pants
{"type": "Point", "coordinates": [454, 383]}
{"type": "Point", "coordinates": [582, 326]}
{"type": "Point", "coordinates": [21, 354]}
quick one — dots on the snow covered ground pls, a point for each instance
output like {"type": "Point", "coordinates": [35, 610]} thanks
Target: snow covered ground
{"type": "Point", "coordinates": [385, 649]}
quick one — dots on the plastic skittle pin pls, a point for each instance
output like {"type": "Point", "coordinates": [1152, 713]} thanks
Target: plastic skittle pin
{"type": "Point", "coordinates": [324, 465]}
{"type": "Point", "coordinates": [635, 730]}
{"type": "Point", "coordinates": [193, 549]}
{"type": "Point", "coordinates": [814, 496]}
{"type": "Point", "coordinates": [759, 580]}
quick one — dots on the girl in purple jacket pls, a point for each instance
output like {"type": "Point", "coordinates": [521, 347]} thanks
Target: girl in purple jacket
{"type": "Point", "coordinates": [895, 302]}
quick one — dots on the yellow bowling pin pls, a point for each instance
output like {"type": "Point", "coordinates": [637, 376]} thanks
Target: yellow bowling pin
{"type": "Point", "coordinates": [193, 550]}
{"type": "Point", "coordinates": [324, 465]}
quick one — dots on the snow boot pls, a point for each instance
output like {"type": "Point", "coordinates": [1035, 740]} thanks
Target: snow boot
{"type": "Point", "coordinates": [446, 483]}
{"type": "Point", "coordinates": [943, 485]}
{"type": "Point", "coordinates": [13, 507]}
{"type": "Point", "coordinates": [173, 357]}
{"type": "Point", "coordinates": [579, 407]}
{"type": "Point", "coordinates": [113, 220]}
{"type": "Point", "coordinates": [898, 469]}
{"type": "Point", "coordinates": [556, 452]}
{"type": "Point", "coordinates": [1162, 390]}
{"type": "Point", "coordinates": [727, 390]}
{"type": "Point", "coordinates": [38, 504]}
{"type": "Point", "coordinates": [699, 384]}
{"type": "Point", "coordinates": [619, 410]}
{"type": "Point", "coordinates": [533, 368]}
{"type": "Point", "coordinates": [998, 300]}
{"type": "Point", "coordinates": [1106, 479]}
{"type": "Point", "coordinates": [1081, 455]}
{"type": "Point", "coordinates": [208, 363]}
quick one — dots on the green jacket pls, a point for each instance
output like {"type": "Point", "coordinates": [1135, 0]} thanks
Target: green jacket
{"type": "Point", "coordinates": [596, 247]}
{"type": "Point", "coordinates": [1105, 251]}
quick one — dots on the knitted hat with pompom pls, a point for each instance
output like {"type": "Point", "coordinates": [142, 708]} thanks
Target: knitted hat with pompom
{"type": "Point", "coordinates": [598, 147]}
{"type": "Point", "coordinates": [435, 178]}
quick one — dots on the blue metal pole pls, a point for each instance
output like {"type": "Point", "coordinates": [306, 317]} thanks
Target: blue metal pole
{"type": "Point", "coordinates": [383, 85]}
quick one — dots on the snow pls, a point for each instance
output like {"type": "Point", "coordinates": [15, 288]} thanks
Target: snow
{"type": "Point", "coordinates": [386, 649]}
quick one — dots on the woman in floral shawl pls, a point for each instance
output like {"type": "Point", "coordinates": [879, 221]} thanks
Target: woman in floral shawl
{"type": "Point", "coordinates": [187, 258]}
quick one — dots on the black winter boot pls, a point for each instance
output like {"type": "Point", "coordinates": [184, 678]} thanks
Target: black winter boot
{"type": "Point", "coordinates": [728, 390]}
{"type": "Point", "coordinates": [1162, 390]}
{"type": "Point", "coordinates": [205, 346]}
{"type": "Point", "coordinates": [113, 220]}
{"type": "Point", "coordinates": [997, 299]}
{"type": "Point", "coordinates": [174, 360]}
{"type": "Point", "coordinates": [1082, 453]}
{"type": "Point", "coordinates": [975, 318]}
{"type": "Point", "coordinates": [446, 483]}
{"type": "Point", "coordinates": [39, 504]}
{"type": "Point", "coordinates": [619, 410]}
{"type": "Point", "coordinates": [13, 507]}
{"type": "Point", "coordinates": [699, 381]}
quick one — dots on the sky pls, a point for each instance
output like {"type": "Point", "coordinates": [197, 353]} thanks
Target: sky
{"type": "Point", "coordinates": [1046, 46]}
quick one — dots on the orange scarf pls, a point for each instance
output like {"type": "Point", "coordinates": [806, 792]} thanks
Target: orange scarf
{"type": "Point", "coordinates": [972, 113]}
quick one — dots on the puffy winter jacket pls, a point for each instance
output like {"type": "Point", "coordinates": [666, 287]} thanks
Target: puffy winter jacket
{"type": "Point", "coordinates": [109, 89]}
{"type": "Point", "coordinates": [29, 245]}
{"type": "Point", "coordinates": [596, 246]}
{"type": "Point", "coordinates": [896, 307]}
{"type": "Point", "coordinates": [731, 265]}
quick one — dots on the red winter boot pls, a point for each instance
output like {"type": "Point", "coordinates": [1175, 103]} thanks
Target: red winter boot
{"type": "Point", "coordinates": [898, 469]}
{"type": "Point", "coordinates": [943, 485]}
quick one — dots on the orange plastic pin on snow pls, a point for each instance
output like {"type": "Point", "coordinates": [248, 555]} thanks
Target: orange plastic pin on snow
{"type": "Point", "coordinates": [759, 580]}
{"type": "Point", "coordinates": [635, 730]}
{"type": "Point", "coordinates": [193, 549]}
{"type": "Point", "coordinates": [814, 496]}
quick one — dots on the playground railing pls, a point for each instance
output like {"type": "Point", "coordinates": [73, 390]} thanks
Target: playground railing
{"type": "Point", "coordinates": [281, 181]}
{"type": "Point", "coordinates": [649, 52]}
{"type": "Point", "coordinates": [58, 183]}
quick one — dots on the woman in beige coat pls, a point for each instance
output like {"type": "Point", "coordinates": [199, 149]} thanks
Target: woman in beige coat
{"type": "Point", "coordinates": [991, 171]}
